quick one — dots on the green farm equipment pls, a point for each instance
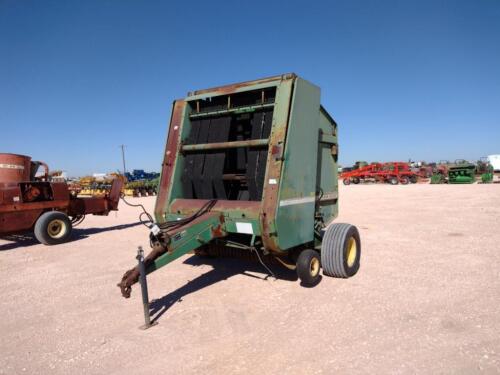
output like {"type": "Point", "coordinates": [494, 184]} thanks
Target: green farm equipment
{"type": "Point", "coordinates": [487, 177]}
{"type": "Point", "coordinates": [461, 172]}
{"type": "Point", "coordinates": [485, 170]}
{"type": "Point", "coordinates": [251, 168]}
{"type": "Point", "coordinates": [438, 178]}
{"type": "Point", "coordinates": [488, 174]}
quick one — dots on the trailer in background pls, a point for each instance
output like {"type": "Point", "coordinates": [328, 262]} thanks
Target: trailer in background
{"type": "Point", "coordinates": [29, 201]}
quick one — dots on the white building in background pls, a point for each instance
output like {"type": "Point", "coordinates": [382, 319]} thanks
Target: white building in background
{"type": "Point", "coordinates": [99, 176]}
{"type": "Point", "coordinates": [495, 162]}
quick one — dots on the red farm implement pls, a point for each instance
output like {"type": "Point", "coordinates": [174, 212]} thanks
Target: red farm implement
{"type": "Point", "coordinates": [392, 172]}
{"type": "Point", "coordinates": [29, 202]}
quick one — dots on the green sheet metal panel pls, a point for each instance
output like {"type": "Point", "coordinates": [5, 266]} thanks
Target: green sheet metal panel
{"type": "Point", "coordinates": [269, 210]}
{"type": "Point", "coordinates": [327, 171]}
{"type": "Point", "coordinates": [307, 166]}
{"type": "Point", "coordinates": [295, 216]}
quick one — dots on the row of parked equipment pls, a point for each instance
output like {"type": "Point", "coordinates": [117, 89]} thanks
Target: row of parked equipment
{"type": "Point", "coordinates": [459, 172]}
{"type": "Point", "coordinates": [135, 184]}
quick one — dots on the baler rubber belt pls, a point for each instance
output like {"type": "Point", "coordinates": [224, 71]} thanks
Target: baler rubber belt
{"type": "Point", "coordinates": [214, 161]}
{"type": "Point", "coordinates": [199, 161]}
{"type": "Point", "coordinates": [262, 159]}
{"type": "Point", "coordinates": [253, 156]}
{"type": "Point", "coordinates": [188, 173]}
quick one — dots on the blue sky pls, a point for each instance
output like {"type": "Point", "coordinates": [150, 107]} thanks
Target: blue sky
{"type": "Point", "coordinates": [404, 79]}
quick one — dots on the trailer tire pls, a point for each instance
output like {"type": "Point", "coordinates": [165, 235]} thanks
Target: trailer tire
{"type": "Point", "coordinates": [308, 267]}
{"type": "Point", "coordinates": [341, 250]}
{"type": "Point", "coordinates": [404, 180]}
{"type": "Point", "coordinates": [346, 181]}
{"type": "Point", "coordinates": [53, 228]}
{"type": "Point", "coordinates": [393, 180]}
{"type": "Point", "coordinates": [356, 180]}
{"type": "Point", "coordinates": [413, 179]}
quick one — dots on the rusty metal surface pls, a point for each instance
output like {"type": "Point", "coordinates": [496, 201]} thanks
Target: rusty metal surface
{"type": "Point", "coordinates": [274, 166]}
{"type": "Point", "coordinates": [18, 221]}
{"type": "Point", "coordinates": [14, 168]}
{"type": "Point", "coordinates": [60, 205]}
{"type": "Point", "coordinates": [45, 173]}
{"type": "Point", "coordinates": [171, 151]}
{"type": "Point", "coordinates": [227, 89]}
{"type": "Point", "coordinates": [225, 145]}
{"type": "Point", "coordinates": [19, 211]}
{"type": "Point", "coordinates": [235, 110]}
{"type": "Point", "coordinates": [189, 206]}
{"type": "Point", "coordinates": [114, 194]}
{"type": "Point", "coordinates": [87, 206]}
{"type": "Point", "coordinates": [97, 205]}
{"type": "Point", "coordinates": [16, 216]}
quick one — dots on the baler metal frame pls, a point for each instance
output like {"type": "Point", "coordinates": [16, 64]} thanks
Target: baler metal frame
{"type": "Point", "coordinates": [188, 215]}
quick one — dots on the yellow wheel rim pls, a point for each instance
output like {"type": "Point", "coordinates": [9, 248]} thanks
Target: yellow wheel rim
{"type": "Point", "coordinates": [314, 266]}
{"type": "Point", "coordinates": [56, 228]}
{"type": "Point", "coordinates": [352, 252]}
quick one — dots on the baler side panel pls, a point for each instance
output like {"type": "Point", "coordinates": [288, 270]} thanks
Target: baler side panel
{"type": "Point", "coordinates": [297, 193]}
{"type": "Point", "coordinates": [173, 164]}
{"type": "Point", "coordinates": [270, 196]}
{"type": "Point", "coordinates": [327, 172]}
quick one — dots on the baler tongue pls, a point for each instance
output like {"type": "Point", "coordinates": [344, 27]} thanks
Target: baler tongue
{"type": "Point", "coordinates": [181, 240]}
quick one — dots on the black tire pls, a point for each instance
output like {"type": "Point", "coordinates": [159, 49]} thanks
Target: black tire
{"type": "Point", "coordinates": [393, 180]}
{"type": "Point", "coordinates": [53, 228]}
{"type": "Point", "coordinates": [341, 250]}
{"type": "Point", "coordinates": [404, 180]}
{"type": "Point", "coordinates": [346, 181]}
{"type": "Point", "coordinates": [308, 267]}
{"type": "Point", "coordinates": [413, 179]}
{"type": "Point", "coordinates": [355, 180]}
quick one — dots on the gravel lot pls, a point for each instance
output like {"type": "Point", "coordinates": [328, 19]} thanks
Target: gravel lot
{"type": "Point", "coordinates": [426, 299]}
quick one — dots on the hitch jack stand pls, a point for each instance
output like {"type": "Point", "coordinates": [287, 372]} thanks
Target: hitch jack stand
{"type": "Point", "coordinates": [144, 290]}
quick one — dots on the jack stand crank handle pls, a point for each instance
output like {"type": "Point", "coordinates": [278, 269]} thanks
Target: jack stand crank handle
{"type": "Point", "coordinates": [144, 289]}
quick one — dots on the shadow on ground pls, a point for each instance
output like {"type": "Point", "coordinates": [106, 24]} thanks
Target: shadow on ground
{"type": "Point", "coordinates": [223, 268]}
{"type": "Point", "coordinates": [28, 239]}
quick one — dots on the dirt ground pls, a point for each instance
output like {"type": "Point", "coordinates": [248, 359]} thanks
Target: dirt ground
{"type": "Point", "coordinates": [426, 298]}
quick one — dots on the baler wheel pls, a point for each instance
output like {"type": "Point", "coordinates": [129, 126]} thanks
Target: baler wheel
{"type": "Point", "coordinates": [53, 228]}
{"type": "Point", "coordinates": [346, 181]}
{"type": "Point", "coordinates": [308, 266]}
{"type": "Point", "coordinates": [341, 250]}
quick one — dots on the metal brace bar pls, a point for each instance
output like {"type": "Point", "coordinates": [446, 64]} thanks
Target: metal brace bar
{"type": "Point", "coordinates": [225, 145]}
{"type": "Point", "coordinates": [250, 108]}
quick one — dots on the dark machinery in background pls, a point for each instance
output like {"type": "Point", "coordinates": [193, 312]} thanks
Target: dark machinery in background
{"type": "Point", "coordinates": [461, 172]}
{"type": "Point", "coordinates": [140, 183]}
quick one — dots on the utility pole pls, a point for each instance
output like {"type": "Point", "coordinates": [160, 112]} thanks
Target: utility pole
{"type": "Point", "coordinates": [123, 159]}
